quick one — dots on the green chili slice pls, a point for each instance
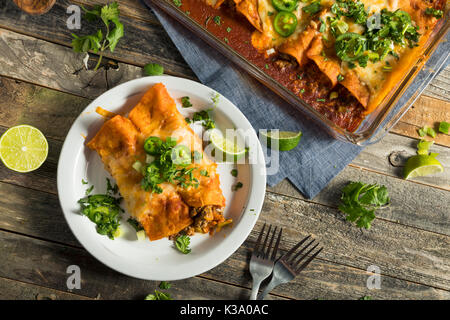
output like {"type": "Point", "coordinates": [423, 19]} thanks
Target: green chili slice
{"type": "Point", "coordinates": [350, 46]}
{"type": "Point", "coordinates": [285, 5]}
{"type": "Point", "coordinates": [152, 145]}
{"type": "Point", "coordinates": [285, 23]}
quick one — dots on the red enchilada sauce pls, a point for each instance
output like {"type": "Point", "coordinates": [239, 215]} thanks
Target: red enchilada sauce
{"type": "Point", "coordinates": [308, 82]}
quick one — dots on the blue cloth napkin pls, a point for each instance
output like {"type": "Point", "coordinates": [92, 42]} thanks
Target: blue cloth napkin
{"type": "Point", "coordinates": [310, 166]}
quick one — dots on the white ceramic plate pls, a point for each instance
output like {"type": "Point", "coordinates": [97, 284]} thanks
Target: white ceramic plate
{"type": "Point", "coordinates": [158, 260]}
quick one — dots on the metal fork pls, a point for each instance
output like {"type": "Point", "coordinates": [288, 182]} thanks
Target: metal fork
{"type": "Point", "coordinates": [287, 267]}
{"type": "Point", "coordinates": [261, 263]}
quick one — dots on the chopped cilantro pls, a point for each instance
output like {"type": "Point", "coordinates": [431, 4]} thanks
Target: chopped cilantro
{"type": "Point", "coordinates": [186, 102]}
{"type": "Point", "coordinates": [237, 186]}
{"type": "Point", "coordinates": [234, 172]}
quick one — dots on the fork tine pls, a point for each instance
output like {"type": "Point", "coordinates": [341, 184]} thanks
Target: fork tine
{"type": "Point", "coordinates": [255, 251]}
{"type": "Point", "coordinates": [267, 254]}
{"type": "Point", "coordinates": [305, 264]}
{"type": "Point", "coordinates": [265, 241]}
{"type": "Point", "coordinates": [301, 250]}
{"type": "Point", "coordinates": [294, 265]}
{"type": "Point", "coordinates": [286, 255]}
{"type": "Point", "coordinates": [275, 250]}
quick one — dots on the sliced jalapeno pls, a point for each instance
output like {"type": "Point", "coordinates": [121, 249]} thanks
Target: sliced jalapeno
{"type": "Point", "coordinates": [284, 5]}
{"type": "Point", "coordinates": [285, 23]}
{"type": "Point", "coordinates": [350, 46]}
{"type": "Point", "coordinates": [152, 145]}
{"type": "Point", "coordinates": [181, 155]}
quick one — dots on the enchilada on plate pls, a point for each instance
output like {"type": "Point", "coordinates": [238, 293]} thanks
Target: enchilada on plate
{"type": "Point", "coordinates": [342, 57]}
{"type": "Point", "coordinates": [167, 182]}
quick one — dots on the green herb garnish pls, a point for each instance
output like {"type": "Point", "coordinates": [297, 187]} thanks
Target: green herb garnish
{"type": "Point", "coordinates": [158, 295]}
{"type": "Point", "coordinates": [360, 200]}
{"type": "Point", "coordinates": [100, 40]}
{"type": "Point", "coordinates": [204, 117]}
{"type": "Point", "coordinates": [164, 285]}
{"type": "Point", "coordinates": [153, 69]}
{"type": "Point", "coordinates": [434, 12]}
{"type": "Point", "coordinates": [186, 102]}
{"type": "Point", "coordinates": [237, 186]}
{"type": "Point", "coordinates": [178, 3]}
{"type": "Point", "coordinates": [104, 210]}
{"type": "Point", "coordinates": [182, 244]}
{"type": "Point", "coordinates": [234, 173]}
{"type": "Point", "coordinates": [312, 8]}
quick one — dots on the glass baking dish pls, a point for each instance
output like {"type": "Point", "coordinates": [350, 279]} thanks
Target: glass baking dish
{"type": "Point", "coordinates": [376, 124]}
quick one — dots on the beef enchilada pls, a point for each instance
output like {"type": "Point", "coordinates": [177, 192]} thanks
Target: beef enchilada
{"type": "Point", "coordinates": [342, 57]}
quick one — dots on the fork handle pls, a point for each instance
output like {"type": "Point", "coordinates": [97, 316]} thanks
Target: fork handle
{"type": "Point", "coordinates": [255, 289]}
{"type": "Point", "coordinates": [272, 284]}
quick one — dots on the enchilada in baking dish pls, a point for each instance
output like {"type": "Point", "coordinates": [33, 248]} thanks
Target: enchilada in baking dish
{"type": "Point", "coordinates": [168, 184]}
{"type": "Point", "coordinates": [343, 57]}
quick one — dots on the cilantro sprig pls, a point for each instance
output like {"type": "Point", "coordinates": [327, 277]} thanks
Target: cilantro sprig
{"type": "Point", "coordinates": [102, 39]}
{"type": "Point", "coordinates": [182, 244]}
{"type": "Point", "coordinates": [360, 200]}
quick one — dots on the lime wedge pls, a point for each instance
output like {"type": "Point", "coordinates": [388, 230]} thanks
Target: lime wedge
{"type": "Point", "coordinates": [229, 149]}
{"type": "Point", "coordinates": [287, 140]}
{"type": "Point", "coordinates": [421, 165]}
{"type": "Point", "coordinates": [23, 148]}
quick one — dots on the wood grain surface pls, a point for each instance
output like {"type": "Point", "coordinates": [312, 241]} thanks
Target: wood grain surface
{"type": "Point", "coordinates": [43, 83]}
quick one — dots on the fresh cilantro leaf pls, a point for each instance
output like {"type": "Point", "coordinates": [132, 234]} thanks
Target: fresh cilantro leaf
{"type": "Point", "coordinates": [99, 42]}
{"type": "Point", "coordinates": [153, 69]}
{"type": "Point", "coordinates": [312, 8]}
{"type": "Point", "coordinates": [158, 295]}
{"type": "Point", "coordinates": [237, 186]}
{"type": "Point", "coordinates": [164, 285]}
{"type": "Point", "coordinates": [360, 200]}
{"type": "Point", "coordinates": [186, 102]}
{"type": "Point", "coordinates": [182, 244]}
{"type": "Point", "coordinates": [89, 190]}
{"type": "Point", "coordinates": [84, 181]}
{"type": "Point", "coordinates": [234, 172]}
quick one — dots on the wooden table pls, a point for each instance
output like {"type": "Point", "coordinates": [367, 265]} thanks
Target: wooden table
{"type": "Point", "coordinates": [43, 83]}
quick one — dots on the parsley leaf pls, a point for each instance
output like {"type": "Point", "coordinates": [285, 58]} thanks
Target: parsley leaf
{"type": "Point", "coordinates": [360, 200]}
{"type": "Point", "coordinates": [182, 244]}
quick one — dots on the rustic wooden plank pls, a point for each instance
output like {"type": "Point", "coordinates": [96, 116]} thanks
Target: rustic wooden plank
{"type": "Point", "coordinates": [45, 264]}
{"type": "Point", "coordinates": [16, 290]}
{"type": "Point", "coordinates": [23, 258]}
{"type": "Point", "coordinates": [408, 204]}
{"type": "Point", "coordinates": [401, 251]}
{"type": "Point", "coordinates": [425, 112]}
{"type": "Point", "coordinates": [142, 43]}
{"type": "Point", "coordinates": [325, 280]}
{"type": "Point", "coordinates": [53, 112]}
{"type": "Point", "coordinates": [144, 40]}
{"type": "Point", "coordinates": [377, 157]}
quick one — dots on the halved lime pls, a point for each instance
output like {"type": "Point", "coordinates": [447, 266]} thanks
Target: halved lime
{"type": "Point", "coordinates": [285, 140]}
{"type": "Point", "coordinates": [421, 165]}
{"type": "Point", "coordinates": [23, 148]}
{"type": "Point", "coordinates": [230, 150]}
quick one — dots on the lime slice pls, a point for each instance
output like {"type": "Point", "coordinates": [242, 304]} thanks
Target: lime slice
{"type": "Point", "coordinates": [421, 165]}
{"type": "Point", "coordinates": [229, 149]}
{"type": "Point", "coordinates": [23, 148]}
{"type": "Point", "coordinates": [286, 140]}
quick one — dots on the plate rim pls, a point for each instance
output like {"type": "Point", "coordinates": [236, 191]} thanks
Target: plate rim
{"type": "Point", "coordinates": [256, 192]}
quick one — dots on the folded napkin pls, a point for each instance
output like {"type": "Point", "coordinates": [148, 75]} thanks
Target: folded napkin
{"type": "Point", "coordinates": [317, 159]}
